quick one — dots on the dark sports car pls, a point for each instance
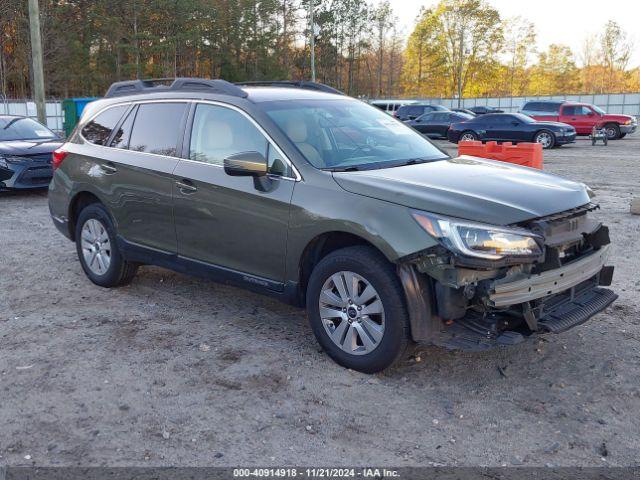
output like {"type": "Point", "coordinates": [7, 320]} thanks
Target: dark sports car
{"type": "Point", "coordinates": [25, 153]}
{"type": "Point", "coordinates": [512, 127]}
{"type": "Point", "coordinates": [436, 124]}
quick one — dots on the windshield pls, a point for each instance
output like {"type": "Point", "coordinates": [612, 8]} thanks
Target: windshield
{"type": "Point", "coordinates": [349, 135]}
{"type": "Point", "coordinates": [598, 110]}
{"type": "Point", "coordinates": [20, 128]}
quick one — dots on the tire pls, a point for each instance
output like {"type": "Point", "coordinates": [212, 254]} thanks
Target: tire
{"type": "Point", "coordinates": [546, 138]}
{"type": "Point", "coordinates": [472, 136]}
{"type": "Point", "coordinates": [366, 343]}
{"type": "Point", "coordinates": [613, 131]}
{"type": "Point", "coordinates": [107, 268]}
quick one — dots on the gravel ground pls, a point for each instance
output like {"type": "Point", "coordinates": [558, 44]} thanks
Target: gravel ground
{"type": "Point", "coordinates": [173, 370]}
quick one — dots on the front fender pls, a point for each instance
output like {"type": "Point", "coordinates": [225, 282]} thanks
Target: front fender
{"type": "Point", "coordinates": [387, 226]}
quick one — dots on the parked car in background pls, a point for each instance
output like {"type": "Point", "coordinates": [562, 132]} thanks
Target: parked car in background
{"type": "Point", "coordinates": [390, 106]}
{"type": "Point", "coordinates": [482, 110]}
{"type": "Point", "coordinates": [436, 124]}
{"type": "Point", "coordinates": [323, 201]}
{"type": "Point", "coordinates": [463, 110]}
{"type": "Point", "coordinates": [512, 127]}
{"type": "Point", "coordinates": [582, 116]}
{"type": "Point", "coordinates": [411, 112]}
{"type": "Point", "coordinates": [25, 153]}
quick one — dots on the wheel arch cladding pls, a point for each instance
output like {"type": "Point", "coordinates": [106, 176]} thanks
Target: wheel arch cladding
{"type": "Point", "coordinates": [321, 246]}
{"type": "Point", "coordinates": [80, 201]}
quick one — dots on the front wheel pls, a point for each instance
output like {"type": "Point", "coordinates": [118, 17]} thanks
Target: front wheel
{"type": "Point", "coordinates": [545, 138]}
{"type": "Point", "coordinates": [613, 131]}
{"type": "Point", "coordinates": [356, 309]}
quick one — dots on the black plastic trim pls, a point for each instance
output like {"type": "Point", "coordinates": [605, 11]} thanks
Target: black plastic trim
{"type": "Point", "coordinates": [134, 252]}
{"type": "Point", "coordinates": [185, 84]}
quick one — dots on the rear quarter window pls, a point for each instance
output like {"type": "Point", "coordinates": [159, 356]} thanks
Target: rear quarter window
{"type": "Point", "coordinates": [98, 130]}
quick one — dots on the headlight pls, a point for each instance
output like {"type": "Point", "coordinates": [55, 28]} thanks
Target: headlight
{"type": "Point", "coordinates": [479, 240]}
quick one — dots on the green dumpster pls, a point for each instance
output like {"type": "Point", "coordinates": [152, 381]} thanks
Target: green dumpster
{"type": "Point", "coordinates": [72, 109]}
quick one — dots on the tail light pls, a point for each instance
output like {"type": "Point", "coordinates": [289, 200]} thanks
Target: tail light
{"type": "Point", "coordinates": [57, 157]}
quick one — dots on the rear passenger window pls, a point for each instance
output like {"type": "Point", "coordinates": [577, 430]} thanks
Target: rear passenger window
{"type": "Point", "coordinates": [156, 128]}
{"type": "Point", "coordinates": [98, 130]}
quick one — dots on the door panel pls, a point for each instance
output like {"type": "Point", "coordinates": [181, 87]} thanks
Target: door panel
{"type": "Point", "coordinates": [142, 177]}
{"type": "Point", "coordinates": [228, 221]}
{"type": "Point", "coordinates": [581, 117]}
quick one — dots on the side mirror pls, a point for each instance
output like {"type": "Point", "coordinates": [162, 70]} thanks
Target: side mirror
{"type": "Point", "coordinates": [246, 164]}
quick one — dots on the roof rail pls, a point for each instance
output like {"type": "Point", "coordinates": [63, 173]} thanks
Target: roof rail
{"type": "Point", "coordinates": [321, 87]}
{"type": "Point", "coordinates": [132, 87]}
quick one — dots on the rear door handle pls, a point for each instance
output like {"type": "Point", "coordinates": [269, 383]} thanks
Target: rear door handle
{"type": "Point", "coordinates": [108, 168]}
{"type": "Point", "coordinates": [186, 187]}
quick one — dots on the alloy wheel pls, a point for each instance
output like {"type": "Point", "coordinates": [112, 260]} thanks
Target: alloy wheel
{"type": "Point", "coordinates": [545, 139]}
{"type": "Point", "coordinates": [467, 137]}
{"type": "Point", "coordinates": [96, 246]}
{"type": "Point", "coordinates": [352, 313]}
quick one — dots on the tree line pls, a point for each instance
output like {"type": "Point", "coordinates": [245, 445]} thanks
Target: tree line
{"type": "Point", "coordinates": [88, 44]}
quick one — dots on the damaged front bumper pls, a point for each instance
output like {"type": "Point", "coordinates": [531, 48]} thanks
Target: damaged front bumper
{"type": "Point", "coordinates": [459, 307]}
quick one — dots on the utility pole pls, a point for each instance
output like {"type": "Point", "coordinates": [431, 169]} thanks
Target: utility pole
{"type": "Point", "coordinates": [461, 60]}
{"type": "Point", "coordinates": [312, 41]}
{"type": "Point", "coordinates": [36, 56]}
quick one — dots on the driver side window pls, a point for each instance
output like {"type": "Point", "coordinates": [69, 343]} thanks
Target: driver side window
{"type": "Point", "coordinates": [220, 132]}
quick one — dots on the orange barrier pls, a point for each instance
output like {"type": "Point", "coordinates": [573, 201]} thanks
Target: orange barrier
{"type": "Point", "coordinates": [525, 154]}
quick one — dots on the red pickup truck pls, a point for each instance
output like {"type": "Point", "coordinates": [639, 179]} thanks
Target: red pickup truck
{"type": "Point", "coordinates": [581, 116]}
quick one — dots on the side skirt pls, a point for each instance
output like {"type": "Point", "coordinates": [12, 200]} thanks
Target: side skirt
{"type": "Point", "coordinates": [133, 252]}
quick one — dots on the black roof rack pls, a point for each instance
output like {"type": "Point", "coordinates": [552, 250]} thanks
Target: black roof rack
{"type": "Point", "coordinates": [132, 87]}
{"type": "Point", "coordinates": [321, 87]}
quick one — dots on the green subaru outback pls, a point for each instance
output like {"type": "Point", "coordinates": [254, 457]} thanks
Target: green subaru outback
{"type": "Point", "coordinates": [296, 191]}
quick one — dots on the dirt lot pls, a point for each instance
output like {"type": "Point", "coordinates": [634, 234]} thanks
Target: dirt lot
{"type": "Point", "coordinates": [177, 371]}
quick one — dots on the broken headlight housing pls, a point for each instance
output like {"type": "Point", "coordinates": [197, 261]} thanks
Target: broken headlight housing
{"type": "Point", "coordinates": [480, 240]}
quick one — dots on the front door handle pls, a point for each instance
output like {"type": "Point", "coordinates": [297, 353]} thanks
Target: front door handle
{"type": "Point", "coordinates": [186, 187]}
{"type": "Point", "coordinates": [108, 168]}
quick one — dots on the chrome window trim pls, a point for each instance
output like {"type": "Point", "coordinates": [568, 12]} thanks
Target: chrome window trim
{"type": "Point", "coordinates": [296, 178]}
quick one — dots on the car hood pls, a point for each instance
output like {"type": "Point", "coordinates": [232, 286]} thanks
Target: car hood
{"type": "Point", "coordinates": [470, 188]}
{"type": "Point", "coordinates": [617, 117]}
{"type": "Point", "coordinates": [29, 147]}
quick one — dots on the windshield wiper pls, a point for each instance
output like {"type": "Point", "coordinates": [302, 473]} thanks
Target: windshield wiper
{"type": "Point", "coordinates": [345, 169]}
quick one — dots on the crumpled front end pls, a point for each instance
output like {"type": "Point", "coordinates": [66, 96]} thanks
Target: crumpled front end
{"type": "Point", "coordinates": [478, 304]}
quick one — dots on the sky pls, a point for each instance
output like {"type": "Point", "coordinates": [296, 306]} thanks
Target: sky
{"type": "Point", "coordinates": [567, 21]}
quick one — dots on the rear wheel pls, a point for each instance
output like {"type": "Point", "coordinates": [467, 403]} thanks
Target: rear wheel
{"type": "Point", "coordinates": [356, 309]}
{"type": "Point", "coordinates": [546, 138]}
{"type": "Point", "coordinates": [468, 136]}
{"type": "Point", "coordinates": [98, 251]}
{"type": "Point", "coordinates": [612, 130]}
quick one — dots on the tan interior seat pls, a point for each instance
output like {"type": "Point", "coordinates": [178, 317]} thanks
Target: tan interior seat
{"type": "Point", "coordinates": [216, 141]}
{"type": "Point", "coordinates": [297, 131]}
